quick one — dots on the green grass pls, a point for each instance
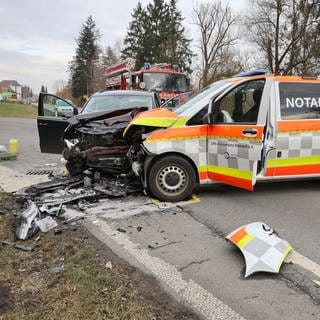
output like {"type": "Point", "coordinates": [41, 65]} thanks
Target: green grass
{"type": "Point", "coordinates": [17, 110]}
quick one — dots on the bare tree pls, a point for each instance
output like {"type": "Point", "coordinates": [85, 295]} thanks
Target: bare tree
{"type": "Point", "coordinates": [284, 31]}
{"type": "Point", "coordinates": [59, 85]}
{"type": "Point", "coordinates": [216, 23]}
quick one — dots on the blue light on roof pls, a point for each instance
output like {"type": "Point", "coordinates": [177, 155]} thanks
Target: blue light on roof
{"type": "Point", "coordinates": [251, 73]}
{"type": "Point", "coordinates": [176, 68]}
{"type": "Point", "coordinates": [147, 66]}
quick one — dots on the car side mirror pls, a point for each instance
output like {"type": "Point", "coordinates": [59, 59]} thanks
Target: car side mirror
{"type": "Point", "coordinates": [75, 111]}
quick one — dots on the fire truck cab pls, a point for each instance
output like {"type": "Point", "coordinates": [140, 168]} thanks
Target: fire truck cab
{"type": "Point", "coordinates": [164, 78]}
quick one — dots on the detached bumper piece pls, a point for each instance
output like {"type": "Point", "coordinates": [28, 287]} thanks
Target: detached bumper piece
{"type": "Point", "coordinates": [25, 225]}
{"type": "Point", "coordinates": [261, 247]}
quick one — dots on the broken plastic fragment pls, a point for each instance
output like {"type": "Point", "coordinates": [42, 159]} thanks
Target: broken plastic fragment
{"type": "Point", "coordinates": [73, 215]}
{"type": "Point", "coordinates": [262, 249]}
{"type": "Point", "coordinates": [24, 222]}
{"type": "Point", "coordinates": [57, 268]}
{"type": "Point", "coordinates": [46, 224]}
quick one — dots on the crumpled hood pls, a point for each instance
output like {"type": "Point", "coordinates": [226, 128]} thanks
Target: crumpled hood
{"type": "Point", "coordinates": [159, 118]}
{"type": "Point", "coordinates": [112, 119]}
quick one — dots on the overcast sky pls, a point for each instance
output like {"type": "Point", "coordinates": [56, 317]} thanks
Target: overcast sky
{"type": "Point", "coordinates": [37, 38]}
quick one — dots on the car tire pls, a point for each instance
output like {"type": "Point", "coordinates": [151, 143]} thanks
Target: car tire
{"type": "Point", "coordinates": [171, 178]}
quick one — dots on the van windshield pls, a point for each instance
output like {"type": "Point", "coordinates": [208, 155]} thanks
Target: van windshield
{"type": "Point", "coordinates": [199, 96]}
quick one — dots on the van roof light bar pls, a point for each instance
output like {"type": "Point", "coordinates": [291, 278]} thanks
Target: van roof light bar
{"type": "Point", "coordinates": [252, 73]}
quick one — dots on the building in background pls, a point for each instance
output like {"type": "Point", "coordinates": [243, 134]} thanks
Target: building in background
{"type": "Point", "coordinates": [11, 89]}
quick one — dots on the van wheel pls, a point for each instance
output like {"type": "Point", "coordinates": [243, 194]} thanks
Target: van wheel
{"type": "Point", "coordinates": [171, 178]}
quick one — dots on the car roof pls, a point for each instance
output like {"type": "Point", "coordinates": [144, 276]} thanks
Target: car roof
{"type": "Point", "coordinates": [124, 93]}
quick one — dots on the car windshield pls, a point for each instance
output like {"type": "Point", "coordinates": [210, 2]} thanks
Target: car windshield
{"type": "Point", "coordinates": [199, 96]}
{"type": "Point", "coordinates": [116, 102]}
{"type": "Point", "coordinates": [165, 82]}
{"type": "Point", "coordinates": [61, 103]}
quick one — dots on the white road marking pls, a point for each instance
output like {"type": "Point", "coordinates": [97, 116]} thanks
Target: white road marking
{"type": "Point", "coordinates": [193, 294]}
{"type": "Point", "coordinates": [304, 262]}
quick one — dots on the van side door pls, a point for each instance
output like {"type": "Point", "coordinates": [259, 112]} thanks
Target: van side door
{"type": "Point", "coordinates": [235, 139]}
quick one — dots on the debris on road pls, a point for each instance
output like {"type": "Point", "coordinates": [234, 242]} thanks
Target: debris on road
{"type": "Point", "coordinates": [57, 268]}
{"type": "Point", "coordinates": [17, 246]}
{"type": "Point", "coordinates": [46, 224]}
{"type": "Point", "coordinates": [71, 267]}
{"type": "Point", "coordinates": [66, 198]}
{"type": "Point", "coordinates": [70, 198]}
{"type": "Point", "coordinates": [25, 225]}
{"type": "Point", "coordinates": [261, 247]}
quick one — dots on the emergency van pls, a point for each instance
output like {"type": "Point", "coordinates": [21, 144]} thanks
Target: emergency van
{"type": "Point", "coordinates": [239, 131]}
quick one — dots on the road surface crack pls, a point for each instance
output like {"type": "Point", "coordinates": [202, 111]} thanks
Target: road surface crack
{"type": "Point", "coordinates": [193, 262]}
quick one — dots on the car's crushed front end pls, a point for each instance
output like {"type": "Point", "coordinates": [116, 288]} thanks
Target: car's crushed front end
{"type": "Point", "coordinates": [112, 143]}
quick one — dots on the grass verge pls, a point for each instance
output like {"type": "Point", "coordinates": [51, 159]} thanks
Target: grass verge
{"type": "Point", "coordinates": [17, 110]}
{"type": "Point", "coordinates": [85, 287]}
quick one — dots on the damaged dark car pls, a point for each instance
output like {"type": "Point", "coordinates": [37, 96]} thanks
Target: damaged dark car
{"type": "Point", "coordinates": [94, 139]}
{"type": "Point", "coordinates": [122, 146]}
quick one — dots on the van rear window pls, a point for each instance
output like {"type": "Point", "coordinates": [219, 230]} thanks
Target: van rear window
{"type": "Point", "coordinates": [299, 100]}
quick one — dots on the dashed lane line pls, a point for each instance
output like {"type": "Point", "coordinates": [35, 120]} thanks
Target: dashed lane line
{"type": "Point", "coordinates": [202, 301]}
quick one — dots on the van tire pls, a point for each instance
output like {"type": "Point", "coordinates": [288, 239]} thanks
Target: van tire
{"type": "Point", "coordinates": [171, 178]}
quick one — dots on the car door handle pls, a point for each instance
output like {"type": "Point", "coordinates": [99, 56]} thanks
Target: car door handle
{"type": "Point", "coordinates": [43, 123]}
{"type": "Point", "coordinates": [249, 132]}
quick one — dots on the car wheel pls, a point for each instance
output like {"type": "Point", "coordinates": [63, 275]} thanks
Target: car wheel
{"type": "Point", "coordinates": [171, 178]}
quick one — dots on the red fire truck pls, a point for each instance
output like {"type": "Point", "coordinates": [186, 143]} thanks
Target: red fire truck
{"type": "Point", "coordinates": [166, 79]}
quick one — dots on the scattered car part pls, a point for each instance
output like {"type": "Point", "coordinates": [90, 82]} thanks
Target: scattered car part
{"type": "Point", "coordinates": [57, 268]}
{"type": "Point", "coordinates": [72, 215]}
{"type": "Point", "coordinates": [262, 249]}
{"type": "Point", "coordinates": [56, 183]}
{"type": "Point", "coordinates": [55, 210]}
{"type": "Point", "coordinates": [25, 225]}
{"type": "Point", "coordinates": [46, 224]}
{"type": "Point", "coordinates": [16, 245]}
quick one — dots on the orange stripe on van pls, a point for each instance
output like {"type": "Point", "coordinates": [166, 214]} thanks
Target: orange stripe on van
{"type": "Point", "coordinates": [234, 131]}
{"type": "Point", "coordinates": [295, 79]}
{"type": "Point", "coordinates": [294, 170]}
{"type": "Point", "coordinates": [202, 131]}
{"type": "Point", "coordinates": [270, 172]}
{"type": "Point", "coordinates": [179, 133]}
{"type": "Point", "coordinates": [233, 181]}
{"type": "Point", "coordinates": [203, 175]}
{"type": "Point", "coordinates": [298, 125]}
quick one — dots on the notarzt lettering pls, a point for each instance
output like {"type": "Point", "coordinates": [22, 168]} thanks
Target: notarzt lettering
{"type": "Point", "coordinates": [303, 102]}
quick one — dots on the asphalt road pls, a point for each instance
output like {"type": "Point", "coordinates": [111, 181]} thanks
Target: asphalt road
{"type": "Point", "coordinates": [29, 157]}
{"type": "Point", "coordinates": [185, 249]}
